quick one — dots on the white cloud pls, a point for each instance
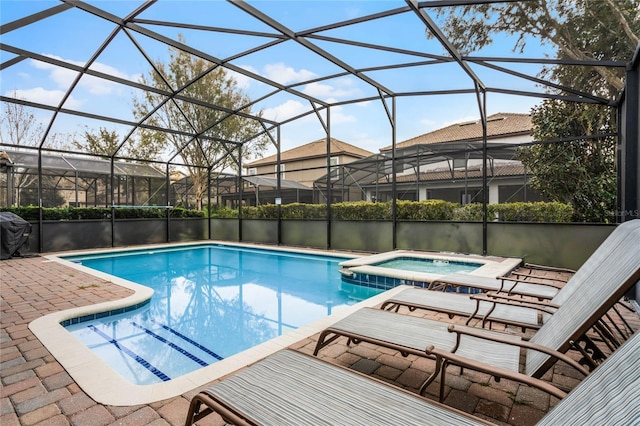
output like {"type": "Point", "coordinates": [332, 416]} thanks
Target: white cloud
{"type": "Point", "coordinates": [286, 110]}
{"type": "Point", "coordinates": [96, 86]}
{"type": "Point", "coordinates": [338, 116]}
{"type": "Point", "coordinates": [343, 88]}
{"type": "Point", "coordinates": [283, 74]}
{"type": "Point", "coordinates": [278, 72]}
{"type": "Point", "coordinates": [44, 96]}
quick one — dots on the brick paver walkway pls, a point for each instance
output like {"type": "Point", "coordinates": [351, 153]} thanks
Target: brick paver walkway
{"type": "Point", "coordinates": [37, 391]}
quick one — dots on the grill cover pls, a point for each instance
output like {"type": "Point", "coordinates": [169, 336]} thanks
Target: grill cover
{"type": "Point", "coordinates": [14, 233]}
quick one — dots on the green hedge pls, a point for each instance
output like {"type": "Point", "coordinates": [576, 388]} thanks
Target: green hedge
{"type": "Point", "coordinates": [31, 213]}
{"type": "Point", "coordinates": [517, 212]}
{"type": "Point", "coordinates": [425, 210]}
{"type": "Point", "coordinates": [361, 210]}
{"type": "Point", "coordinates": [409, 210]}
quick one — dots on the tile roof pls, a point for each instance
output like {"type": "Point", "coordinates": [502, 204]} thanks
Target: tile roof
{"type": "Point", "coordinates": [514, 169]}
{"type": "Point", "coordinates": [498, 125]}
{"type": "Point", "coordinates": [313, 150]}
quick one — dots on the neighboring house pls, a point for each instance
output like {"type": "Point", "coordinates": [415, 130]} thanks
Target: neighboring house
{"type": "Point", "coordinates": [299, 168]}
{"type": "Point", "coordinates": [306, 163]}
{"type": "Point", "coordinates": [447, 164]}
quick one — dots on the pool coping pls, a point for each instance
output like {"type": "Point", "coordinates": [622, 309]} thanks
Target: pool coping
{"type": "Point", "coordinates": [106, 386]}
{"type": "Point", "coordinates": [492, 266]}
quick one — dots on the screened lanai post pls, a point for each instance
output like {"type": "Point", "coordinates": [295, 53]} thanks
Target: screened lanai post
{"type": "Point", "coordinates": [482, 100]}
{"type": "Point", "coordinates": [329, 218]}
{"type": "Point", "coordinates": [168, 192]}
{"type": "Point", "coordinates": [328, 197]}
{"type": "Point", "coordinates": [209, 202]}
{"type": "Point", "coordinates": [394, 204]}
{"type": "Point", "coordinates": [168, 209]}
{"type": "Point", "coordinates": [278, 187]}
{"type": "Point", "coordinates": [112, 177]}
{"type": "Point", "coordinates": [628, 144]}
{"type": "Point", "coordinates": [418, 175]}
{"type": "Point", "coordinates": [239, 186]}
{"type": "Point", "coordinates": [40, 227]}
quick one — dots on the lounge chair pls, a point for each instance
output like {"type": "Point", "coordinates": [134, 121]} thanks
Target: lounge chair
{"type": "Point", "coordinates": [622, 245]}
{"type": "Point", "coordinates": [290, 388]}
{"type": "Point", "coordinates": [563, 330]}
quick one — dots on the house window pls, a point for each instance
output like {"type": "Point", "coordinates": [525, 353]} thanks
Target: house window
{"type": "Point", "coordinates": [253, 171]}
{"type": "Point", "coordinates": [281, 170]}
{"type": "Point", "coordinates": [334, 162]}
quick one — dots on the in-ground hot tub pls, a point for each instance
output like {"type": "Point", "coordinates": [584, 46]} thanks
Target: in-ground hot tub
{"type": "Point", "coordinates": [406, 267]}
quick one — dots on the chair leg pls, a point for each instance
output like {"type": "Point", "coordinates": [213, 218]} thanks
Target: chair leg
{"type": "Point", "coordinates": [443, 373]}
{"type": "Point", "coordinates": [433, 375]}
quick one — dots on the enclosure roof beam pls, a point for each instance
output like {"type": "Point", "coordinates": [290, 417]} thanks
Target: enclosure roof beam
{"type": "Point", "coordinates": [181, 46]}
{"type": "Point", "coordinates": [19, 23]}
{"type": "Point", "coordinates": [306, 43]}
{"type": "Point", "coordinates": [446, 43]}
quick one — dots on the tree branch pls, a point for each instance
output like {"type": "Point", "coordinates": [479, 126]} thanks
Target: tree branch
{"type": "Point", "coordinates": [623, 22]}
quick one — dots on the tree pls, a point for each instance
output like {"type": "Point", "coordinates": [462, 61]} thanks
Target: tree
{"type": "Point", "coordinates": [579, 29]}
{"type": "Point", "coordinates": [19, 126]}
{"type": "Point", "coordinates": [106, 143]}
{"type": "Point", "coordinates": [204, 83]}
{"type": "Point", "coordinates": [580, 172]}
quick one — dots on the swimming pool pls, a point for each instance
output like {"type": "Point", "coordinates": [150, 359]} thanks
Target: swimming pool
{"type": "Point", "coordinates": [210, 302]}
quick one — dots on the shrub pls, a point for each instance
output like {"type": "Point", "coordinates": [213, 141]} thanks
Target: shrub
{"type": "Point", "coordinates": [252, 212]}
{"type": "Point", "coordinates": [517, 212]}
{"type": "Point", "coordinates": [224, 213]}
{"type": "Point", "coordinates": [304, 211]}
{"type": "Point", "coordinates": [361, 210]}
{"type": "Point", "coordinates": [425, 210]}
{"type": "Point", "coordinates": [469, 213]}
{"type": "Point", "coordinates": [533, 212]}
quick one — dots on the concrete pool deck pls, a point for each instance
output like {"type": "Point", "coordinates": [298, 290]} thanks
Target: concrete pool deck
{"type": "Point", "coordinates": [37, 390]}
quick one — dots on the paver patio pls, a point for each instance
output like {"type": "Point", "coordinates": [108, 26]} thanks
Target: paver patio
{"type": "Point", "coordinates": [36, 390]}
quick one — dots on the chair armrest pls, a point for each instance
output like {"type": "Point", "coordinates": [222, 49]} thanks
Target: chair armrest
{"type": "Point", "coordinates": [541, 305]}
{"type": "Point", "coordinates": [549, 268]}
{"type": "Point", "coordinates": [478, 333]}
{"type": "Point", "coordinates": [527, 275]}
{"type": "Point", "coordinates": [452, 358]}
{"type": "Point", "coordinates": [517, 281]}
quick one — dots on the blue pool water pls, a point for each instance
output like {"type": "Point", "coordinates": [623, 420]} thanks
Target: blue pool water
{"type": "Point", "coordinates": [210, 302]}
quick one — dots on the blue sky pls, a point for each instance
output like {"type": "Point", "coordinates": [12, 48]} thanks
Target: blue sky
{"type": "Point", "coordinates": [73, 36]}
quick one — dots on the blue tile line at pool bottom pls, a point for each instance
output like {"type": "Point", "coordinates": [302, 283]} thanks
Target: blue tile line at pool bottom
{"type": "Point", "coordinates": [131, 354]}
{"type": "Point", "coordinates": [104, 314]}
{"type": "Point", "coordinates": [172, 345]}
{"type": "Point", "coordinates": [193, 342]}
